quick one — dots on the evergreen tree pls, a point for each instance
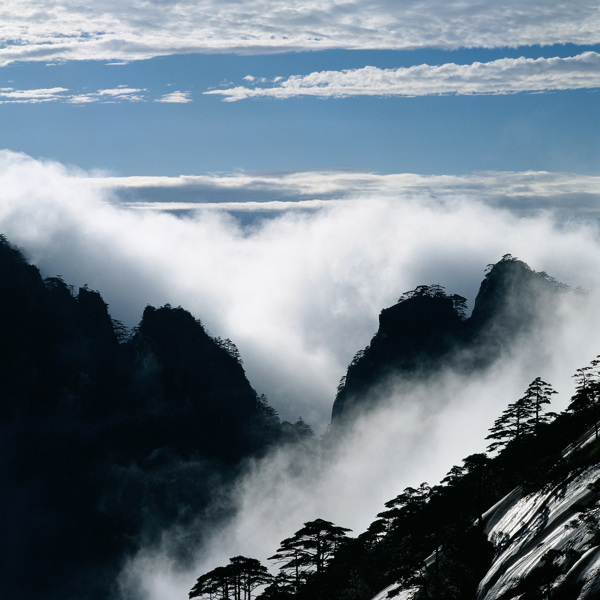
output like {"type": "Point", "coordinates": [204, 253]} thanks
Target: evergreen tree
{"type": "Point", "coordinates": [235, 581]}
{"type": "Point", "coordinates": [523, 417]}
{"type": "Point", "coordinates": [586, 400]}
{"type": "Point", "coordinates": [511, 426]}
{"type": "Point", "coordinates": [537, 395]}
{"type": "Point", "coordinates": [404, 506]}
{"type": "Point", "coordinates": [309, 550]}
{"type": "Point", "coordinates": [280, 588]}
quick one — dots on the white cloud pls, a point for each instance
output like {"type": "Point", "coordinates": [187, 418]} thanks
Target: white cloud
{"type": "Point", "coordinates": [300, 294]}
{"type": "Point", "coordinates": [502, 76]}
{"type": "Point", "coordinates": [522, 192]}
{"type": "Point", "coordinates": [176, 97]}
{"type": "Point", "coordinates": [59, 94]}
{"type": "Point", "coordinates": [126, 31]}
{"type": "Point", "coordinates": [310, 282]}
{"type": "Point", "coordinates": [32, 96]}
{"type": "Point", "coordinates": [122, 93]}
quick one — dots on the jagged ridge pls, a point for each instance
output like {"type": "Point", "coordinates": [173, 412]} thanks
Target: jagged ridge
{"type": "Point", "coordinates": [428, 328]}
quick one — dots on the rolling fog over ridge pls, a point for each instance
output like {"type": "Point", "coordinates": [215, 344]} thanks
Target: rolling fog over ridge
{"type": "Point", "coordinates": [314, 284]}
{"type": "Point", "coordinates": [310, 282]}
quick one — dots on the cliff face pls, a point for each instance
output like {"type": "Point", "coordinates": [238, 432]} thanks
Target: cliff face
{"type": "Point", "coordinates": [428, 329]}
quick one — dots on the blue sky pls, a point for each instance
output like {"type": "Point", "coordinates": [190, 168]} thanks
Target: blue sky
{"type": "Point", "coordinates": [192, 88]}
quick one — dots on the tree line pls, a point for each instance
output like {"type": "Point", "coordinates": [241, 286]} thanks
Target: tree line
{"type": "Point", "coordinates": [301, 557]}
{"type": "Point", "coordinates": [428, 538]}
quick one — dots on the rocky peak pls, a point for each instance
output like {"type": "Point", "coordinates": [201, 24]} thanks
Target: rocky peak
{"type": "Point", "coordinates": [428, 329]}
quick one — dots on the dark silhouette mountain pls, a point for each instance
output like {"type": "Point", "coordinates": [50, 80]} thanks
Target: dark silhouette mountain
{"type": "Point", "coordinates": [428, 329]}
{"type": "Point", "coordinates": [524, 523]}
{"type": "Point", "coordinates": [106, 438]}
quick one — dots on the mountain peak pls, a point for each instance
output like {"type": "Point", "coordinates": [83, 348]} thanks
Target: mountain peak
{"type": "Point", "coordinates": [511, 290]}
{"type": "Point", "coordinates": [428, 328]}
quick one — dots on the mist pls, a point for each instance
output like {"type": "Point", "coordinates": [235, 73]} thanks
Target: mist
{"type": "Point", "coordinates": [299, 293]}
{"type": "Point", "coordinates": [418, 431]}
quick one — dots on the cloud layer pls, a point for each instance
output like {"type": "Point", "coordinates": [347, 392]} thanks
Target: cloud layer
{"type": "Point", "coordinates": [526, 192]}
{"type": "Point", "coordinates": [503, 76]}
{"type": "Point", "coordinates": [299, 294]}
{"type": "Point", "coordinates": [70, 30]}
{"type": "Point", "coordinates": [122, 93]}
{"type": "Point", "coordinates": [311, 282]}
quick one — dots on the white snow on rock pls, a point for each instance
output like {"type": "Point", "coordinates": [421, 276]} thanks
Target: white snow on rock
{"type": "Point", "coordinates": [524, 529]}
{"type": "Point", "coordinates": [407, 594]}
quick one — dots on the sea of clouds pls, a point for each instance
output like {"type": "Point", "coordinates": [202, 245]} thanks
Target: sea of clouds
{"type": "Point", "coordinates": [299, 292]}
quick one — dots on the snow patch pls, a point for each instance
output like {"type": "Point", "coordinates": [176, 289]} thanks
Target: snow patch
{"type": "Point", "coordinates": [524, 530]}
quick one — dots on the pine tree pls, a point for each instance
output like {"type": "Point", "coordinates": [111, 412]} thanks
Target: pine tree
{"type": "Point", "coordinates": [309, 550]}
{"type": "Point", "coordinates": [523, 417]}
{"type": "Point", "coordinates": [512, 425]}
{"type": "Point", "coordinates": [235, 581]}
{"type": "Point", "coordinates": [586, 400]}
{"type": "Point", "coordinates": [537, 395]}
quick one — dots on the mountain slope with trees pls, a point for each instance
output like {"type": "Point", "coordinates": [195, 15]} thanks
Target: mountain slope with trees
{"type": "Point", "coordinates": [519, 522]}
{"type": "Point", "coordinates": [429, 329]}
{"type": "Point", "coordinates": [108, 436]}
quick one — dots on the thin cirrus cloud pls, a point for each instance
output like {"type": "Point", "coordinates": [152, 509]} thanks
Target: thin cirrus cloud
{"type": "Point", "coordinates": [121, 93]}
{"type": "Point", "coordinates": [71, 30]}
{"type": "Point", "coordinates": [10, 95]}
{"type": "Point", "coordinates": [502, 76]}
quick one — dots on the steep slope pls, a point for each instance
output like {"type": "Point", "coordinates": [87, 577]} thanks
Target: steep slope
{"type": "Point", "coordinates": [428, 329]}
{"type": "Point", "coordinates": [104, 443]}
{"type": "Point", "coordinates": [546, 542]}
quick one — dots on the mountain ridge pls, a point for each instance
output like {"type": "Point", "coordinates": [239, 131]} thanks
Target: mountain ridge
{"type": "Point", "coordinates": [107, 437]}
{"type": "Point", "coordinates": [148, 426]}
{"type": "Point", "coordinates": [428, 329]}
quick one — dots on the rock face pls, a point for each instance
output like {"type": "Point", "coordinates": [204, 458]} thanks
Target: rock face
{"type": "Point", "coordinates": [106, 438]}
{"type": "Point", "coordinates": [544, 542]}
{"type": "Point", "coordinates": [428, 329]}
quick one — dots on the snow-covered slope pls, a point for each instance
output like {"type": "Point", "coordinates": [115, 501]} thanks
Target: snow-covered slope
{"type": "Point", "coordinates": [543, 531]}
{"type": "Point", "coordinates": [402, 595]}
{"type": "Point", "coordinates": [547, 542]}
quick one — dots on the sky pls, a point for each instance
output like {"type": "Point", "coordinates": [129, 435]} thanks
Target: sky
{"type": "Point", "coordinates": [284, 171]}
{"type": "Point", "coordinates": [189, 88]}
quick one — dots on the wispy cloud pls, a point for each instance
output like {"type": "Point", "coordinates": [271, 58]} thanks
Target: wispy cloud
{"type": "Point", "coordinates": [32, 96]}
{"type": "Point", "coordinates": [122, 93]}
{"type": "Point", "coordinates": [521, 192]}
{"type": "Point", "coordinates": [176, 97]}
{"type": "Point", "coordinates": [502, 76]}
{"type": "Point", "coordinates": [70, 30]}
